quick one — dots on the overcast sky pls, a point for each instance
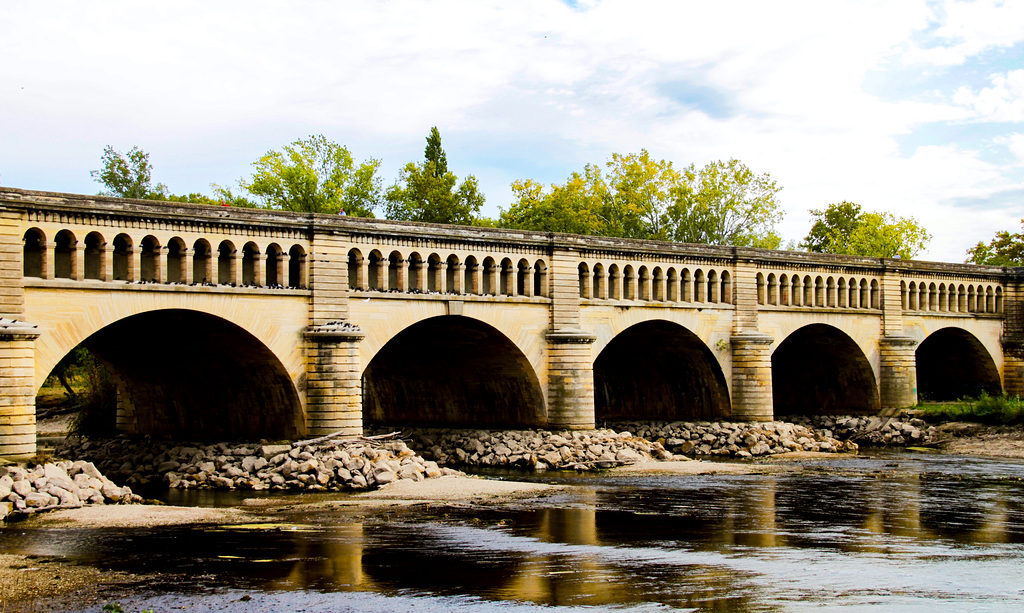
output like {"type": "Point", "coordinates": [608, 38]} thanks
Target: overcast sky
{"type": "Point", "coordinates": [913, 107]}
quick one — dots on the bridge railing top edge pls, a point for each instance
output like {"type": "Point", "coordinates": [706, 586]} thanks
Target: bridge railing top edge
{"type": "Point", "coordinates": [766, 258]}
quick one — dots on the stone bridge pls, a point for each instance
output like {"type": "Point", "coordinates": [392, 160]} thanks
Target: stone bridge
{"type": "Point", "coordinates": [221, 322]}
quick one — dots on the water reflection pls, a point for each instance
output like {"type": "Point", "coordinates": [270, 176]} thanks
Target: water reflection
{"type": "Point", "coordinates": [870, 530]}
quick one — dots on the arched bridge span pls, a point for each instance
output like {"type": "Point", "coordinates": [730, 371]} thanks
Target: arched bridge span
{"type": "Point", "coordinates": [333, 310]}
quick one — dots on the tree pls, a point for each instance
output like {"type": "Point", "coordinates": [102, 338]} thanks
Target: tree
{"type": "Point", "coordinates": [725, 203]}
{"type": "Point", "coordinates": [315, 175]}
{"type": "Point", "coordinates": [128, 176]}
{"type": "Point", "coordinates": [639, 197]}
{"type": "Point", "coordinates": [1005, 249]}
{"type": "Point", "coordinates": [427, 192]}
{"type": "Point", "coordinates": [844, 228]}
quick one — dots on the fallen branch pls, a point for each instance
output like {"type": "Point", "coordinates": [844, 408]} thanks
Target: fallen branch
{"type": "Point", "coordinates": [360, 439]}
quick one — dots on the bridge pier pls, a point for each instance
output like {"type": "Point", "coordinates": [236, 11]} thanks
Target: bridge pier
{"type": "Point", "coordinates": [333, 389]}
{"type": "Point", "coordinates": [752, 377]}
{"type": "Point", "coordinates": [17, 382]}
{"type": "Point", "coordinates": [897, 385]}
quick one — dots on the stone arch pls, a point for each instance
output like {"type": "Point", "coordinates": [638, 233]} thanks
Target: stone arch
{"type": "Point", "coordinates": [297, 267]}
{"type": "Point", "coordinates": [176, 260]}
{"type": "Point", "coordinates": [672, 285]}
{"type": "Point", "coordinates": [540, 278]}
{"type": "Point", "coordinates": [713, 287]}
{"type": "Point", "coordinates": [226, 262]}
{"type": "Point", "coordinates": [643, 283]}
{"type": "Point", "coordinates": [415, 275]}
{"type": "Point", "coordinates": [34, 253]}
{"type": "Point", "coordinates": [435, 281]}
{"type": "Point", "coordinates": [273, 261]}
{"type": "Point", "coordinates": [952, 363]}
{"type": "Point", "coordinates": [726, 282]}
{"type": "Point", "coordinates": [628, 283]}
{"type": "Point", "coordinates": [355, 270]}
{"type": "Point", "coordinates": [773, 289]}
{"type": "Point", "coordinates": [471, 283]}
{"type": "Point", "coordinates": [202, 260]}
{"type": "Point", "coordinates": [819, 369]}
{"type": "Point", "coordinates": [659, 369]}
{"type": "Point", "coordinates": [488, 281]}
{"type": "Point", "coordinates": [507, 278]}
{"type": "Point", "coordinates": [453, 277]}
{"type": "Point", "coordinates": [122, 256]}
{"type": "Point", "coordinates": [95, 255]}
{"type": "Point", "coordinates": [614, 282]}
{"type": "Point", "coordinates": [149, 259]}
{"type": "Point", "coordinates": [524, 278]}
{"type": "Point", "coordinates": [375, 275]}
{"type": "Point", "coordinates": [584, 279]}
{"type": "Point", "coordinates": [699, 293]}
{"type": "Point", "coordinates": [599, 288]}
{"type": "Point", "coordinates": [64, 245]}
{"type": "Point", "coordinates": [658, 284]}
{"type": "Point", "coordinates": [452, 371]}
{"type": "Point", "coordinates": [236, 388]}
{"type": "Point", "coordinates": [251, 263]}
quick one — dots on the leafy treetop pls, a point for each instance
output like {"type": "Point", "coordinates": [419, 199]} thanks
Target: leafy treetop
{"type": "Point", "coordinates": [844, 228]}
{"type": "Point", "coordinates": [639, 197]}
{"type": "Point", "coordinates": [429, 192]}
{"type": "Point", "coordinates": [315, 175]}
{"type": "Point", "coordinates": [1006, 249]}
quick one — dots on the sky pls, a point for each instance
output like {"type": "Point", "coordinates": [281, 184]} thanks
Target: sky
{"type": "Point", "coordinates": [914, 107]}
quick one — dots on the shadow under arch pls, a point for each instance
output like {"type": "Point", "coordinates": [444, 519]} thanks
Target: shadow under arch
{"type": "Point", "coordinates": [819, 369]}
{"type": "Point", "coordinates": [195, 376]}
{"type": "Point", "coordinates": [659, 370]}
{"type": "Point", "coordinates": [952, 364]}
{"type": "Point", "coordinates": [452, 371]}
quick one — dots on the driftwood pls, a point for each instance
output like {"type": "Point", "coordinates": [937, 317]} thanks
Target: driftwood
{"type": "Point", "coordinates": [359, 439]}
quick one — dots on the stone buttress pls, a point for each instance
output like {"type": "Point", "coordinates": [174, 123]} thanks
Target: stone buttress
{"type": "Point", "coordinates": [333, 388]}
{"type": "Point", "coordinates": [751, 351]}
{"type": "Point", "coordinates": [570, 364]}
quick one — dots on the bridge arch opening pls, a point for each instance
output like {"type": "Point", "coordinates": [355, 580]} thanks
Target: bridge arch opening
{"type": "Point", "coordinates": [452, 371]}
{"type": "Point", "coordinates": [189, 375]}
{"type": "Point", "coordinates": [952, 364]}
{"type": "Point", "coordinates": [659, 370]}
{"type": "Point", "coordinates": [820, 370]}
{"type": "Point", "coordinates": [34, 260]}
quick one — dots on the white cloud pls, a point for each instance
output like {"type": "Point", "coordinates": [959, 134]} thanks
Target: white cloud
{"type": "Point", "coordinates": [528, 89]}
{"type": "Point", "coordinates": [1004, 101]}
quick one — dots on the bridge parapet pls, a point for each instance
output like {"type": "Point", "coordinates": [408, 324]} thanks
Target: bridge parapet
{"type": "Point", "coordinates": [740, 303]}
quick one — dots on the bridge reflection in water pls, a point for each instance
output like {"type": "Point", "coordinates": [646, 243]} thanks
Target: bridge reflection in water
{"type": "Point", "coordinates": [894, 531]}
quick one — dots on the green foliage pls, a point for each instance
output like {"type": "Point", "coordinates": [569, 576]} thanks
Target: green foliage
{"type": "Point", "coordinates": [428, 192]}
{"type": "Point", "coordinates": [844, 228]}
{"type": "Point", "coordinates": [1005, 249]}
{"type": "Point", "coordinates": [725, 203]}
{"type": "Point", "coordinates": [315, 176]}
{"type": "Point", "coordinates": [986, 409]}
{"type": "Point", "coordinates": [128, 175]}
{"type": "Point", "coordinates": [97, 404]}
{"type": "Point", "coordinates": [639, 197]}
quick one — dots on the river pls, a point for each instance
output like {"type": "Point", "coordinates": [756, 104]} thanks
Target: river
{"type": "Point", "coordinates": [879, 532]}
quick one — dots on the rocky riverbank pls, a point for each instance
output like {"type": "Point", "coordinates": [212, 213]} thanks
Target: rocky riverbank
{"type": "Point", "coordinates": [533, 449]}
{"type": "Point", "coordinates": [871, 430]}
{"type": "Point", "coordinates": [736, 439]}
{"type": "Point", "coordinates": [57, 485]}
{"type": "Point", "coordinates": [328, 465]}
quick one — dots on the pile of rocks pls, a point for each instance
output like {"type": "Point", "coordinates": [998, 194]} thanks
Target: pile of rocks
{"type": "Point", "coordinates": [57, 485]}
{"type": "Point", "coordinates": [533, 449]}
{"type": "Point", "coordinates": [741, 440]}
{"type": "Point", "coordinates": [321, 466]}
{"type": "Point", "coordinates": [872, 431]}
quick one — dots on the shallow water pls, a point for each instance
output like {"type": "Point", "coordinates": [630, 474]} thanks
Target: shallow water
{"type": "Point", "coordinates": [890, 532]}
